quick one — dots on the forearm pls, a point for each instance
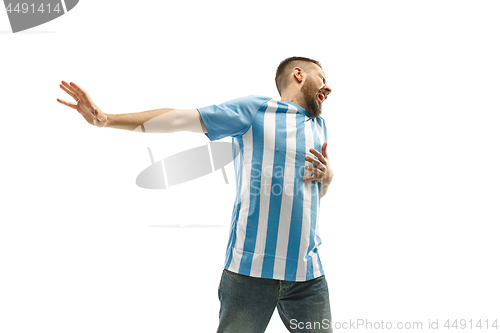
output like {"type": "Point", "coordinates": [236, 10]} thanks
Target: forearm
{"type": "Point", "coordinates": [131, 121]}
{"type": "Point", "coordinates": [158, 121]}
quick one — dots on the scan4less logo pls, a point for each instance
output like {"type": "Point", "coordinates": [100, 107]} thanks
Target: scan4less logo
{"type": "Point", "coordinates": [28, 14]}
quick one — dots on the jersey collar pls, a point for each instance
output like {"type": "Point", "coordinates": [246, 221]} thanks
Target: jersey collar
{"type": "Point", "coordinates": [299, 108]}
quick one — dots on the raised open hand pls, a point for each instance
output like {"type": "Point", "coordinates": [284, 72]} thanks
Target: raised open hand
{"type": "Point", "coordinates": [84, 104]}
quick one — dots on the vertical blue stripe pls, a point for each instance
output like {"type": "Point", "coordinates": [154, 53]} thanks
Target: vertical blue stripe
{"type": "Point", "coordinates": [276, 192]}
{"type": "Point", "coordinates": [298, 202]}
{"type": "Point", "coordinates": [238, 171]}
{"type": "Point", "coordinates": [314, 203]}
{"type": "Point", "coordinates": [254, 207]}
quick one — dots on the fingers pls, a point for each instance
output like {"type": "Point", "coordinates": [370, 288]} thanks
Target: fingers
{"type": "Point", "coordinates": [69, 93]}
{"type": "Point", "coordinates": [75, 91]}
{"type": "Point", "coordinates": [321, 168]}
{"type": "Point", "coordinates": [313, 161]}
{"type": "Point", "coordinates": [320, 164]}
{"type": "Point", "coordinates": [318, 154]}
{"type": "Point", "coordinates": [318, 173]}
{"type": "Point", "coordinates": [79, 94]}
{"type": "Point", "coordinates": [312, 178]}
{"type": "Point", "coordinates": [70, 104]}
{"type": "Point", "coordinates": [82, 94]}
{"type": "Point", "coordinates": [70, 90]}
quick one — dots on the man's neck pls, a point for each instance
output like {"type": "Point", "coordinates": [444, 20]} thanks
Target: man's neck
{"type": "Point", "coordinates": [294, 99]}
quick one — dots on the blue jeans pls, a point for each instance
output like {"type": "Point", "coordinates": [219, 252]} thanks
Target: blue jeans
{"type": "Point", "coordinates": [247, 304]}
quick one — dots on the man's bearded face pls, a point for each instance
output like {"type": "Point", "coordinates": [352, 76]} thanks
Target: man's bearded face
{"type": "Point", "coordinates": [310, 93]}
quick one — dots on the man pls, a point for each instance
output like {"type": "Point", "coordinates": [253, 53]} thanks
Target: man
{"type": "Point", "coordinates": [272, 258]}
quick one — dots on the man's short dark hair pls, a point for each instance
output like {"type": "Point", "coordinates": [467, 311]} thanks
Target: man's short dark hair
{"type": "Point", "coordinates": [287, 65]}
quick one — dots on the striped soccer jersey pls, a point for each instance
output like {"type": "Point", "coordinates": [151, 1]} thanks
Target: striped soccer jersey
{"type": "Point", "coordinates": [274, 228]}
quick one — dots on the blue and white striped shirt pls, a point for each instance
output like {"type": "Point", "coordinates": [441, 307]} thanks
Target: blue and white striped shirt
{"type": "Point", "coordinates": [274, 229]}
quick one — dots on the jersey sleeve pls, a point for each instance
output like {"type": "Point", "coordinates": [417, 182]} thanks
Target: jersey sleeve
{"type": "Point", "coordinates": [232, 118]}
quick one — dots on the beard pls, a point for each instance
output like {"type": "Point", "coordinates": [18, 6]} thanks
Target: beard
{"type": "Point", "coordinates": [310, 95]}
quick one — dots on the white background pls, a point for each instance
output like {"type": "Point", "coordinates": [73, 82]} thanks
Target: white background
{"type": "Point", "coordinates": [410, 225]}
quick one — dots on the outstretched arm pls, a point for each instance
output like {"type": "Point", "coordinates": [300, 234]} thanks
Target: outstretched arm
{"type": "Point", "coordinates": [158, 121]}
{"type": "Point", "coordinates": [154, 121]}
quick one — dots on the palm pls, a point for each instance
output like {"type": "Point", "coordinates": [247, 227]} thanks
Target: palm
{"type": "Point", "coordinates": [84, 104]}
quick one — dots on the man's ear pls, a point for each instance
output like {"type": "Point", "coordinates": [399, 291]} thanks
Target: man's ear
{"type": "Point", "coordinates": [299, 75]}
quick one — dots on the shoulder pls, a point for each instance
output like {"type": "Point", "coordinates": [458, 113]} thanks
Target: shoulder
{"type": "Point", "coordinates": [250, 103]}
{"type": "Point", "coordinates": [253, 100]}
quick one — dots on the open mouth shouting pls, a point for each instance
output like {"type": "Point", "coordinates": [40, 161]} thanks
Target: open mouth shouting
{"type": "Point", "coordinates": [321, 96]}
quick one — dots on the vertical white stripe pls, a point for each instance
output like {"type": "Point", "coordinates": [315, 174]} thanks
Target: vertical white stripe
{"type": "Point", "coordinates": [306, 212]}
{"type": "Point", "coordinates": [241, 225]}
{"type": "Point", "coordinates": [288, 174]}
{"type": "Point", "coordinates": [265, 186]}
